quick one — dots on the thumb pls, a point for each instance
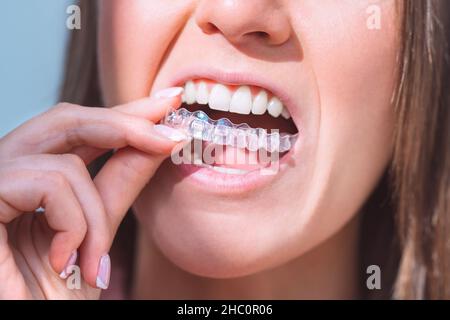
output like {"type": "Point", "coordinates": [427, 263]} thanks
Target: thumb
{"type": "Point", "coordinates": [123, 177]}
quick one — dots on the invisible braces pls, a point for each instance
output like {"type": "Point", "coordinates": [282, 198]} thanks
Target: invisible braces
{"type": "Point", "coordinates": [199, 126]}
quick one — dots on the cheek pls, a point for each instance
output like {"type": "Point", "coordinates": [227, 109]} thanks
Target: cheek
{"type": "Point", "coordinates": [133, 39]}
{"type": "Point", "coordinates": [355, 75]}
{"type": "Point", "coordinates": [354, 67]}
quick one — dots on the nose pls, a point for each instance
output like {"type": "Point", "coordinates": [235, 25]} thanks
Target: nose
{"type": "Point", "coordinates": [241, 21]}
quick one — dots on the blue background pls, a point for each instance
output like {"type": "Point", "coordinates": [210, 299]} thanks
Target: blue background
{"type": "Point", "coordinates": [33, 36]}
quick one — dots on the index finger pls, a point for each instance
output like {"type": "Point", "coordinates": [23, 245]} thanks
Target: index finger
{"type": "Point", "coordinates": [159, 105]}
{"type": "Point", "coordinates": [62, 129]}
{"type": "Point", "coordinates": [153, 110]}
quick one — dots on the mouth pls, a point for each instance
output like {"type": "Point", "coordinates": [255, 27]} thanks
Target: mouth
{"type": "Point", "coordinates": [238, 104]}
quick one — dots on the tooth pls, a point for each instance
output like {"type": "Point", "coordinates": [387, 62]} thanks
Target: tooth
{"type": "Point", "coordinates": [197, 154]}
{"type": "Point", "coordinates": [260, 103]}
{"type": "Point", "coordinates": [190, 92]}
{"type": "Point", "coordinates": [275, 107]}
{"type": "Point", "coordinates": [252, 140]}
{"type": "Point", "coordinates": [262, 138]}
{"type": "Point", "coordinates": [229, 170]}
{"type": "Point", "coordinates": [241, 102]}
{"type": "Point", "coordinates": [198, 159]}
{"type": "Point", "coordinates": [241, 138]}
{"type": "Point", "coordinates": [202, 93]}
{"type": "Point", "coordinates": [273, 142]}
{"type": "Point", "coordinates": [220, 98]}
{"type": "Point", "coordinates": [285, 113]}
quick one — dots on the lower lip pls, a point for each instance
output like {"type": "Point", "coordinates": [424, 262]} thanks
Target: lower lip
{"type": "Point", "coordinates": [211, 181]}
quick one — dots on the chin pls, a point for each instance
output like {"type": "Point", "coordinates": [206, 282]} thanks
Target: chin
{"type": "Point", "coordinates": [218, 255]}
{"type": "Point", "coordinates": [227, 240]}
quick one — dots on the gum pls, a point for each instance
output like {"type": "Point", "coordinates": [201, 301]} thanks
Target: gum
{"type": "Point", "coordinates": [199, 126]}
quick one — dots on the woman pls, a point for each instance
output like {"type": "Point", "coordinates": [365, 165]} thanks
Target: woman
{"type": "Point", "coordinates": [365, 185]}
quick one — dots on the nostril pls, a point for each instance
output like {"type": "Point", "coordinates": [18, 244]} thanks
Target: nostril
{"type": "Point", "coordinates": [261, 34]}
{"type": "Point", "coordinates": [210, 28]}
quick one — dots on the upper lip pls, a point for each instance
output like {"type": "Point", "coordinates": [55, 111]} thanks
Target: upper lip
{"type": "Point", "coordinates": [235, 78]}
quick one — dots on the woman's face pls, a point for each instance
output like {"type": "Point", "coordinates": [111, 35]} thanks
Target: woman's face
{"type": "Point", "coordinates": [335, 76]}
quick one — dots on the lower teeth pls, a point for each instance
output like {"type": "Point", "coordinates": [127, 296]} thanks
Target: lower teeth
{"type": "Point", "coordinates": [225, 159]}
{"type": "Point", "coordinates": [228, 170]}
{"type": "Point", "coordinates": [198, 125]}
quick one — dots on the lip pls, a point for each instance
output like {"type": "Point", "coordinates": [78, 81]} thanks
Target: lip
{"type": "Point", "coordinates": [236, 78]}
{"type": "Point", "coordinates": [210, 181]}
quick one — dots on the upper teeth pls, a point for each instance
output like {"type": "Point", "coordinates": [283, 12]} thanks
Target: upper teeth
{"type": "Point", "coordinates": [241, 101]}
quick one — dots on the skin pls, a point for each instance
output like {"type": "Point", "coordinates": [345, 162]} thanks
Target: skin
{"type": "Point", "coordinates": [269, 242]}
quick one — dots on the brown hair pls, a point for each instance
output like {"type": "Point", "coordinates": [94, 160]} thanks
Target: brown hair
{"type": "Point", "coordinates": [421, 164]}
{"type": "Point", "coordinates": [406, 225]}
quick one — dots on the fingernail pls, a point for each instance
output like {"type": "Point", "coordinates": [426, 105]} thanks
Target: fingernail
{"type": "Point", "coordinates": [169, 93]}
{"type": "Point", "coordinates": [170, 133]}
{"type": "Point", "coordinates": [104, 272]}
{"type": "Point", "coordinates": [72, 259]}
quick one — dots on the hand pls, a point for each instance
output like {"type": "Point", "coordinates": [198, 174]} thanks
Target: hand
{"type": "Point", "coordinates": [43, 164]}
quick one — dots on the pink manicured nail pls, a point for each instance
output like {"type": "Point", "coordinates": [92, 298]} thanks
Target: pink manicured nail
{"type": "Point", "coordinates": [104, 272]}
{"type": "Point", "coordinates": [72, 259]}
{"type": "Point", "coordinates": [169, 93]}
{"type": "Point", "coordinates": [169, 133]}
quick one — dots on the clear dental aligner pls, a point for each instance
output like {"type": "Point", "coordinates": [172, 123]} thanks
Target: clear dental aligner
{"type": "Point", "coordinates": [199, 126]}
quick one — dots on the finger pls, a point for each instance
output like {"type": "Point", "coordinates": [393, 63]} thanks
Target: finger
{"type": "Point", "coordinates": [25, 190]}
{"type": "Point", "coordinates": [99, 236]}
{"type": "Point", "coordinates": [68, 126]}
{"type": "Point", "coordinates": [88, 154]}
{"type": "Point", "coordinates": [153, 111]}
{"type": "Point", "coordinates": [158, 107]}
{"type": "Point", "coordinates": [13, 283]}
{"type": "Point", "coordinates": [122, 178]}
